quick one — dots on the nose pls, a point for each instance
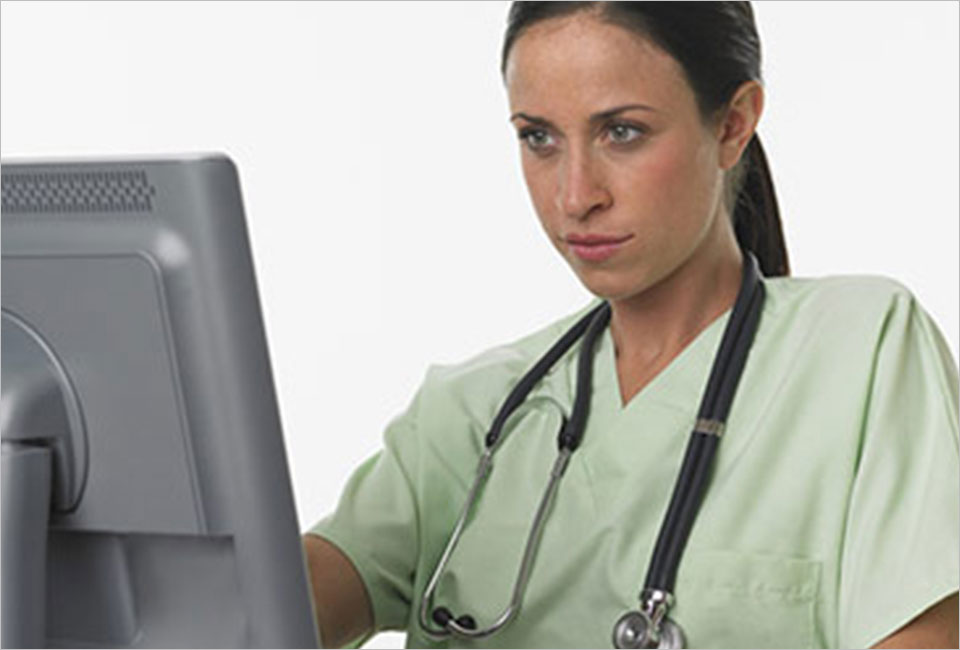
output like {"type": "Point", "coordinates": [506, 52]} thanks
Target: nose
{"type": "Point", "coordinates": [581, 188]}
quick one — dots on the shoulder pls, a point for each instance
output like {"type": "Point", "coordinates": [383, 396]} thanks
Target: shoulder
{"type": "Point", "coordinates": [841, 292]}
{"type": "Point", "coordinates": [482, 380]}
{"type": "Point", "coordinates": [840, 307]}
{"type": "Point", "coordinates": [870, 321]}
{"type": "Point", "coordinates": [456, 402]}
{"type": "Point", "coordinates": [509, 358]}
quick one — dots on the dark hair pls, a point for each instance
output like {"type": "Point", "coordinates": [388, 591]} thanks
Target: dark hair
{"type": "Point", "coordinates": [717, 45]}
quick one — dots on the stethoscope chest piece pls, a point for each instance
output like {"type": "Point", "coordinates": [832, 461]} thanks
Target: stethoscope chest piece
{"type": "Point", "coordinates": [636, 630]}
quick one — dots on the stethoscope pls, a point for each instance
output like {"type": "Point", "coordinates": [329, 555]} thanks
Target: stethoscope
{"type": "Point", "coordinates": [649, 626]}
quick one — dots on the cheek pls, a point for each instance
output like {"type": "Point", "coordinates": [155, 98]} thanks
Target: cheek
{"type": "Point", "coordinates": [542, 192]}
{"type": "Point", "coordinates": [665, 191]}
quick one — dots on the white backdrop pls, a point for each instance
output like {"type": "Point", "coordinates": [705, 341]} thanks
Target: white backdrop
{"type": "Point", "coordinates": [390, 225]}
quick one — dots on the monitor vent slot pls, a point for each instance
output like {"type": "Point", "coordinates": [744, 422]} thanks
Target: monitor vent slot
{"type": "Point", "coordinates": [93, 191]}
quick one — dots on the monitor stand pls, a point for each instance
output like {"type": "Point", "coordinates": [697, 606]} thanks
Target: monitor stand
{"type": "Point", "coordinates": [43, 464]}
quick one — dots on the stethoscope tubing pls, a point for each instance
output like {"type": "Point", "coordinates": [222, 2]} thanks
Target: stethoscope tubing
{"type": "Point", "coordinates": [526, 384]}
{"type": "Point", "coordinates": [694, 474]}
{"type": "Point", "coordinates": [573, 431]}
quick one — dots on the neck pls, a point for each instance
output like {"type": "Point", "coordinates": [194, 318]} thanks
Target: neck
{"type": "Point", "coordinates": [651, 328]}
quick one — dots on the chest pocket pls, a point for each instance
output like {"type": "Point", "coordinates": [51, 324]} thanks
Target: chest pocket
{"type": "Point", "coordinates": [728, 599]}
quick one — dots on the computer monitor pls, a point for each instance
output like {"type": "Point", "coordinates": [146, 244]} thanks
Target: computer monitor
{"type": "Point", "coordinates": [146, 495]}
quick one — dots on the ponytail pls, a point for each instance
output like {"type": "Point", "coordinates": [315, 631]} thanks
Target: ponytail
{"type": "Point", "coordinates": [756, 215]}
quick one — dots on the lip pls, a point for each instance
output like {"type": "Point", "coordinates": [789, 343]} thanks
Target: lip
{"type": "Point", "coordinates": [596, 248]}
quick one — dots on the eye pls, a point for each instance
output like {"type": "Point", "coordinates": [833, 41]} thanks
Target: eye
{"type": "Point", "coordinates": [535, 139]}
{"type": "Point", "coordinates": [621, 133]}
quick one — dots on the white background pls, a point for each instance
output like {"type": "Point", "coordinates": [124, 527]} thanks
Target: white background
{"type": "Point", "coordinates": [390, 224]}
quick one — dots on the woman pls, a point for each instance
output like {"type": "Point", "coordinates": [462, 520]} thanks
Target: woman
{"type": "Point", "coordinates": [830, 517]}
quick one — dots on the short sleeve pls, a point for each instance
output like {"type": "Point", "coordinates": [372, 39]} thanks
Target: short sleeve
{"type": "Point", "coordinates": [902, 536]}
{"type": "Point", "coordinates": [375, 524]}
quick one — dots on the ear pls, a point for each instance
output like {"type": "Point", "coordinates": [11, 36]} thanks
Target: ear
{"type": "Point", "coordinates": [739, 123]}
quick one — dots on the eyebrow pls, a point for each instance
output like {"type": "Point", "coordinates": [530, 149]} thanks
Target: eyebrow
{"type": "Point", "coordinates": [596, 117]}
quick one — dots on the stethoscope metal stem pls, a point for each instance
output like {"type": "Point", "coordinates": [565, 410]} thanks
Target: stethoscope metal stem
{"type": "Point", "coordinates": [483, 469]}
{"type": "Point", "coordinates": [454, 626]}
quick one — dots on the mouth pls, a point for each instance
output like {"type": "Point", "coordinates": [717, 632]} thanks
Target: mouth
{"type": "Point", "coordinates": [596, 248]}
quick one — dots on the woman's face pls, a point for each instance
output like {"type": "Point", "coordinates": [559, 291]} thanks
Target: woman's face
{"type": "Point", "coordinates": [599, 165]}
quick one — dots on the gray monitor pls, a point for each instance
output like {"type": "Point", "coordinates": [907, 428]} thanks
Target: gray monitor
{"type": "Point", "coordinates": [145, 489]}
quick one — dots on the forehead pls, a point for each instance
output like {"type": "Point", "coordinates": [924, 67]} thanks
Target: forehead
{"type": "Point", "coordinates": [578, 62]}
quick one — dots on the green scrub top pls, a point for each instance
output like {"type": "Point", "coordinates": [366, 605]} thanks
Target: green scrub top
{"type": "Point", "coordinates": [830, 520]}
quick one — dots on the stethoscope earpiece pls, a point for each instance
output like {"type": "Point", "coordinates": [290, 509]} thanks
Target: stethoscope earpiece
{"type": "Point", "coordinates": [442, 616]}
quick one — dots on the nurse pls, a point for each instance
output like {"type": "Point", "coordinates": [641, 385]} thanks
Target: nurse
{"type": "Point", "coordinates": [830, 518]}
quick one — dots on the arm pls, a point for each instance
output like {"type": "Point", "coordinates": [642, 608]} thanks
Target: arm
{"type": "Point", "coordinates": [342, 606]}
{"type": "Point", "coordinates": [934, 628]}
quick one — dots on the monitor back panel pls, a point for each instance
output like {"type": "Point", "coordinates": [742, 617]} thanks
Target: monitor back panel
{"type": "Point", "coordinates": [138, 276]}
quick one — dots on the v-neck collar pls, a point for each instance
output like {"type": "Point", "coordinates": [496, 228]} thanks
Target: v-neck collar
{"type": "Point", "coordinates": [679, 384]}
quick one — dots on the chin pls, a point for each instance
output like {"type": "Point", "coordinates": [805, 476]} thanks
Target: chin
{"type": "Point", "coordinates": [609, 285]}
